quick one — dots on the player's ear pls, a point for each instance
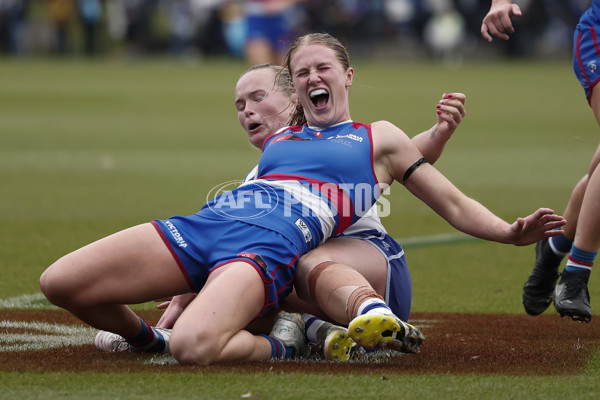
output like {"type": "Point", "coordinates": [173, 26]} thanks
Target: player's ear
{"type": "Point", "coordinates": [293, 103]}
{"type": "Point", "coordinates": [349, 77]}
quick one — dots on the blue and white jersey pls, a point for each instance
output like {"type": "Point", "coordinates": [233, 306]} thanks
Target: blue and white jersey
{"type": "Point", "coordinates": [367, 223]}
{"type": "Point", "coordinates": [311, 184]}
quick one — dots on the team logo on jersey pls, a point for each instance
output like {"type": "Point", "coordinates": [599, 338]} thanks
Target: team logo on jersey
{"type": "Point", "coordinates": [256, 258]}
{"type": "Point", "coordinates": [351, 136]}
{"type": "Point", "coordinates": [318, 134]}
{"type": "Point", "coordinates": [592, 67]}
{"type": "Point", "coordinates": [304, 229]}
{"type": "Point", "coordinates": [288, 137]}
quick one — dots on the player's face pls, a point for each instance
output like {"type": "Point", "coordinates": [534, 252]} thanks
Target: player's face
{"type": "Point", "coordinates": [261, 108]}
{"type": "Point", "coordinates": [321, 84]}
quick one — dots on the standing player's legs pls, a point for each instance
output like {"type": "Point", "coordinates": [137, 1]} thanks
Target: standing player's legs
{"type": "Point", "coordinates": [259, 44]}
{"type": "Point", "coordinates": [540, 288]}
{"type": "Point", "coordinates": [97, 281]}
{"type": "Point", "coordinates": [571, 213]}
{"type": "Point", "coordinates": [538, 291]}
{"type": "Point", "coordinates": [571, 294]}
{"type": "Point", "coordinates": [259, 51]}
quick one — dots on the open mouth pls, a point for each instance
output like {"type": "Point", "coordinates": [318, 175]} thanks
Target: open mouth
{"type": "Point", "coordinates": [319, 98]}
{"type": "Point", "coordinates": [253, 126]}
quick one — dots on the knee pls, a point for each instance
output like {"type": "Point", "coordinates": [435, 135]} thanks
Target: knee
{"type": "Point", "coordinates": [193, 347]}
{"type": "Point", "coordinates": [49, 285]}
{"type": "Point", "coordinates": [308, 262]}
{"type": "Point", "coordinates": [55, 287]}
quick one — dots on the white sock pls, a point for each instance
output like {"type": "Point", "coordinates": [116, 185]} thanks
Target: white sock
{"type": "Point", "coordinates": [374, 306]}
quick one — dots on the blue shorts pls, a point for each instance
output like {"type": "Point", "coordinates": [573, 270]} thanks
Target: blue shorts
{"type": "Point", "coordinates": [586, 52]}
{"type": "Point", "coordinates": [275, 29]}
{"type": "Point", "coordinates": [398, 291]}
{"type": "Point", "coordinates": [201, 245]}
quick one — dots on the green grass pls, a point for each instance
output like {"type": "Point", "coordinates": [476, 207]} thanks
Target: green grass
{"type": "Point", "coordinates": [90, 148]}
{"type": "Point", "coordinates": [49, 386]}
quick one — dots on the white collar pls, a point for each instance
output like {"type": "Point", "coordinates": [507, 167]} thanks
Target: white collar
{"type": "Point", "coordinates": [316, 128]}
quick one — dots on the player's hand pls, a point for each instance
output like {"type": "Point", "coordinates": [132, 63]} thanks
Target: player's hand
{"type": "Point", "coordinates": [173, 309]}
{"type": "Point", "coordinates": [541, 224]}
{"type": "Point", "coordinates": [498, 20]}
{"type": "Point", "coordinates": [450, 112]}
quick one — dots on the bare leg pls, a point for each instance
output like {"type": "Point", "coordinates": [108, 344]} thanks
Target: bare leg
{"type": "Point", "coordinates": [571, 296]}
{"type": "Point", "coordinates": [97, 281]}
{"type": "Point", "coordinates": [571, 213]}
{"type": "Point", "coordinates": [359, 265]}
{"type": "Point", "coordinates": [587, 236]}
{"type": "Point", "coordinates": [347, 296]}
{"type": "Point", "coordinates": [358, 254]}
{"type": "Point", "coordinates": [211, 327]}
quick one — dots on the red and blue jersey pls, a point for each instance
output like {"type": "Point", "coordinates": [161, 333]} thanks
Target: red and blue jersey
{"type": "Point", "coordinates": [586, 51]}
{"type": "Point", "coordinates": [312, 184]}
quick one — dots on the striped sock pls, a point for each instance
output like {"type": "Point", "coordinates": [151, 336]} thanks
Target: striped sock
{"type": "Point", "coordinates": [580, 261]}
{"type": "Point", "coordinates": [311, 327]}
{"type": "Point", "coordinates": [560, 245]}
{"type": "Point", "coordinates": [316, 329]}
{"type": "Point", "coordinates": [374, 306]}
{"type": "Point", "coordinates": [279, 350]}
{"type": "Point", "coordinates": [148, 340]}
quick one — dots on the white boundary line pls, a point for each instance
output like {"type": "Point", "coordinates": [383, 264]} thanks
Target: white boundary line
{"type": "Point", "coordinates": [50, 336]}
{"type": "Point", "coordinates": [36, 300]}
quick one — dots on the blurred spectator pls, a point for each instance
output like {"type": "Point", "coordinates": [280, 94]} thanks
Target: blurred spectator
{"type": "Point", "coordinates": [233, 26]}
{"type": "Point", "coordinates": [90, 12]}
{"type": "Point", "coordinates": [12, 26]}
{"type": "Point", "coordinates": [349, 20]}
{"type": "Point", "coordinates": [211, 37]}
{"type": "Point", "coordinates": [115, 19]}
{"type": "Point", "coordinates": [444, 32]}
{"type": "Point", "coordinates": [407, 16]}
{"type": "Point", "coordinates": [261, 29]}
{"type": "Point", "coordinates": [61, 14]}
{"type": "Point", "coordinates": [183, 24]}
{"type": "Point", "coordinates": [130, 24]}
{"type": "Point", "coordinates": [272, 25]}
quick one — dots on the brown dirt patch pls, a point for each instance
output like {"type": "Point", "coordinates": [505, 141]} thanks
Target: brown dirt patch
{"type": "Point", "coordinates": [456, 343]}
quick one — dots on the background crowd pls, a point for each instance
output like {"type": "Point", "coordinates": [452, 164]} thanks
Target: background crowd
{"type": "Point", "coordinates": [192, 29]}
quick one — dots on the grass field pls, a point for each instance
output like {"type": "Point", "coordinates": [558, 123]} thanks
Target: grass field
{"type": "Point", "coordinates": [87, 149]}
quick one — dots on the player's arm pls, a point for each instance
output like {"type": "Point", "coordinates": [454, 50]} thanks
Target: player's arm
{"type": "Point", "coordinates": [450, 112]}
{"type": "Point", "coordinates": [498, 22]}
{"type": "Point", "coordinates": [471, 217]}
{"type": "Point", "coordinates": [397, 158]}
